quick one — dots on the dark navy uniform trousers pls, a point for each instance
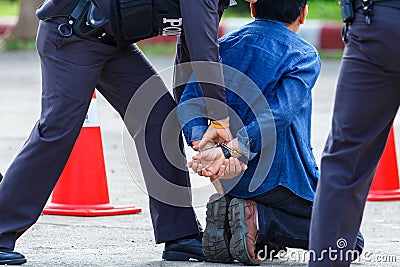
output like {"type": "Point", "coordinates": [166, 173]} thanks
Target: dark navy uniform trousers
{"type": "Point", "coordinates": [367, 100]}
{"type": "Point", "coordinates": [71, 69]}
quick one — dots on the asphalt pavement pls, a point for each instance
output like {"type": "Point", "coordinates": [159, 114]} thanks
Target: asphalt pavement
{"type": "Point", "coordinates": [128, 240]}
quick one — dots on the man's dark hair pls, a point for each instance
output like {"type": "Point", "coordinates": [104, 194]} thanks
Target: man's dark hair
{"type": "Point", "coordinates": [286, 11]}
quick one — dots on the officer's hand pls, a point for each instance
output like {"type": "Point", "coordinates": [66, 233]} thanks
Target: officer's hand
{"type": "Point", "coordinates": [219, 132]}
{"type": "Point", "coordinates": [251, 1]}
{"type": "Point", "coordinates": [218, 135]}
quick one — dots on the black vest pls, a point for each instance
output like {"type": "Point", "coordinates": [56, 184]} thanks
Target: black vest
{"type": "Point", "coordinates": [135, 20]}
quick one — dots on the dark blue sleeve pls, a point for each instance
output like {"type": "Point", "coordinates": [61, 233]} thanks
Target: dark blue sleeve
{"type": "Point", "coordinates": [192, 113]}
{"type": "Point", "coordinates": [199, 43]}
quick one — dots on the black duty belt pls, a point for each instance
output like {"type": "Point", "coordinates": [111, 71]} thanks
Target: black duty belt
{"type": "Point", "coordinates": [83, 18]}
{"type": "Point", "coordinates": [390, 3]}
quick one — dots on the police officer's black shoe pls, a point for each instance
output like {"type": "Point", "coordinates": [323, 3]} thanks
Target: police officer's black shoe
{"type": "Point", "coordinates": [217, 235]}
{"type": "Point", "coordinates": [1, 177]}
{"type": "Point", "coordinates": [184, 249]}
{"type": "Point", "coordinates": [10, 257]}
{"type": "Point", "coordinates": [359, 246]}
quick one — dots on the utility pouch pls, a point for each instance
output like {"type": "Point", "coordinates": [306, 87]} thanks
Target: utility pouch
{"type": "Point", "coordinates": [347, 10]}
{"type": "Point", "coordinates": [133, 19]}
{"type": "Point", "coordinates": [83, 18]}
{"type": "Point", "coordinates": [90, 22]}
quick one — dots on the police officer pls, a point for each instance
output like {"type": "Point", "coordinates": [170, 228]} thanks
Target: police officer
{"type": "Point", "coordinates": [71, 68]}
{"type": "Point", "coordinates": [367, 100]}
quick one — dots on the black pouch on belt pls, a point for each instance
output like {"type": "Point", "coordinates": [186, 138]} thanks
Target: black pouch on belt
{"type": "Point", "coordinates": [90, 22]}
{"type": "Point", "coordinates": [135, 20]}
{"type": "Point", "coordinates": [83, 18]}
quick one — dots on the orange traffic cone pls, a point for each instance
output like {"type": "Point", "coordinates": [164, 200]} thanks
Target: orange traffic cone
{"type": "Point", "coordinates": [385, 185]}
{"type": "Point", "coordinates": [82, 188]}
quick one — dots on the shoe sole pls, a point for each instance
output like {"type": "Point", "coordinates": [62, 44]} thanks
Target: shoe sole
{"type": "Point", "coordinates": [238, 245]}
{"type": "Point", "coordinates": [215, 243]}
{"type": "Point", "coordinates": [13, 262]}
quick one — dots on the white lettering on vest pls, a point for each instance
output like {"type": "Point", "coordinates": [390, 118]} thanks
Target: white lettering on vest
{"type": "Point", "coordinates": [174, 28]}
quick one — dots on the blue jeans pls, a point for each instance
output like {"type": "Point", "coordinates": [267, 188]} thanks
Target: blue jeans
{"type": "Point", "coordinates": [283, 218]}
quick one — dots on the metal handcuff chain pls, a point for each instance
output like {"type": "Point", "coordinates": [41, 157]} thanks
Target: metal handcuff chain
{"type": "Point", "coordinates": [231, 150]}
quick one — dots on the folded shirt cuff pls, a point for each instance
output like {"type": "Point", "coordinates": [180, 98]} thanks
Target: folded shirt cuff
{"type": "Point", "coordinates": [244, 144]}
{"type": "Point", "coordinates": [194, 133]}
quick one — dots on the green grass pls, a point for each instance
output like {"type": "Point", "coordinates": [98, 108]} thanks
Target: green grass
{"type": "Point", "coordinates": [8, 8]}
{"type": "Point", "coordinates": [158, 49]}
{"type": "Point", "coordinates": [326, 10]}
{"type": "Point", "coordinates": [18, 45]}
{"type": "Point", "coordinates": [333, 55]}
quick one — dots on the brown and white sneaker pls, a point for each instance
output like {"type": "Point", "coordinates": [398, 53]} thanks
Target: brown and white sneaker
{"type": "Point", "coordinates": [243, 223]}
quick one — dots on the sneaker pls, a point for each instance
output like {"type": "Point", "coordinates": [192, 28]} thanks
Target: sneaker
{"type": "Point", "coordinates": [217, 235]}
{"type": "Point", "coordinates": [242, 217]}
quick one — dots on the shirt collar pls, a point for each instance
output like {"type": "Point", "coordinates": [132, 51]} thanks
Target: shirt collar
{"type": "Point", "coordinates": [272, 21]}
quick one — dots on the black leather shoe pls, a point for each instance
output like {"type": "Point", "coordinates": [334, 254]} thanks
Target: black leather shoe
{"type": "Point", "coordinates": [184, 249]}
{"type": "Point", "coordinates": [359, 245]}
{"type": "Point", "coordinates": [9, 257]}
{"type": "Point", "coordinates": [217, 234]}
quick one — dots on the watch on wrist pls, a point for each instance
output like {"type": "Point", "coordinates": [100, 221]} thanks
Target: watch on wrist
{"type": "Point", "coordinates": [226, 152]}
{"type": "Point", "coordinates": [231, 152]}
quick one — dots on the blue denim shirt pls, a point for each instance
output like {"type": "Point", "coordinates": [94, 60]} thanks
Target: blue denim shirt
{"type": "Point", "coordinates": [269, 73]}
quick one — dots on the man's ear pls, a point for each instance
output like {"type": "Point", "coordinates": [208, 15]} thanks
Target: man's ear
{"type": "Point", "coordinates": [253, 10]}
{"type": "Point", "coordinates": [303, 14]}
